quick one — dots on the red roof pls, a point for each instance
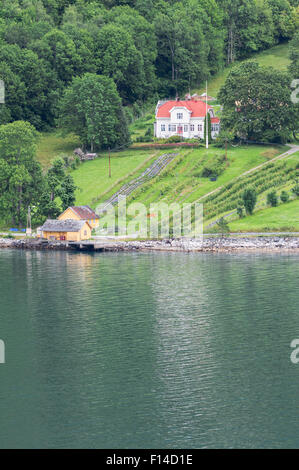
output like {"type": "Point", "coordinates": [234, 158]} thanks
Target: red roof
{"type": "Point", "coordinates": [85, 212]}
{"type": "Point", "coordinates": [215, 120]}
{"type": "Point", "coordinates": [197, 108]}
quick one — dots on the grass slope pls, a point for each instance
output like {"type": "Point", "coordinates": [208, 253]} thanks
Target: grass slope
{"type": "Point", "coordinates": [92, 177]}
{"type": "Point", "coordinates": [284, 217]}
{"type": "Point", "coordinates": [181, 181]}
{"type": "Point", "coordinates": [51, 145]}
{"type": "Point", "coordinates": [265, 218]}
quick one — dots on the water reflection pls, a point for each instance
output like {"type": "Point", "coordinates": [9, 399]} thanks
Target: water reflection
{"type": "Point", "coordinates": [148, 350]}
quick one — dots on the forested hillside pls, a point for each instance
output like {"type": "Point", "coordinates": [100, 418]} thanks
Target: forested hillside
{"type": "Point", "coordinates": [91, 67]}
{"type": "Point", "coordinates": [148, 48]}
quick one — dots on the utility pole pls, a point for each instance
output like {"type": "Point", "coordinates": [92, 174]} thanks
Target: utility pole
{"type": "Point", "coordinates": [207, 121]}
{"type": "Point", "coordinates": [109, 164]}
{"type": "Point", "coordinates": [28, 229]}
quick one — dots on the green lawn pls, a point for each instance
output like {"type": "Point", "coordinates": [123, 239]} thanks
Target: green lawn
{"type": "Point", "coordinates": [285, 217]}
{"type": "Point", "coordinates": [92, 177]}
{"type": "Point", "coordinates": [51, 145]}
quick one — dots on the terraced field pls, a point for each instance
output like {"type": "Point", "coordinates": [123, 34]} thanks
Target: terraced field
{"type": "Point", "coordinates": [183, 181]}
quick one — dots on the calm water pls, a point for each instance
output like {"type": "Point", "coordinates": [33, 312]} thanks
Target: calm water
{"type": "Point", "coordinates": [148, 350]}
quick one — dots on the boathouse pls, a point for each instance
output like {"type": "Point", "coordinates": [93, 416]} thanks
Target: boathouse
{"type": "Point", "coordinates": [66, 230]}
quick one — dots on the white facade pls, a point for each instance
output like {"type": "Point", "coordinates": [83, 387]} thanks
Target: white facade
{"type": "Point", "coordinates": [182, 123]}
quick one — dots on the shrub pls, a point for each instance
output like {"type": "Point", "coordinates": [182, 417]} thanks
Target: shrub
{"type": "Point", "coordinates": [149, 132]}
{"type": "Point", "coordinates": [214, 167]}
{"type": "Point", "coordinates": [222, 226]}
{"type": "Point", "coordinates": [249, 199]}
{"type": "Point", "coordinates": [284, 197]}
{"type": "Point", "coordinates": [272, 199]}
{"type": "Point", "coordinates": [240, 212]}
{"type": "Point", "coordinates": [295, 189]}
{"type": "Point", "coordinates": [174, 139]}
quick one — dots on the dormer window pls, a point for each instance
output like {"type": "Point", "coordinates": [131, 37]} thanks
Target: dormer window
{"type": "Point", "coordinates": [179, 115]}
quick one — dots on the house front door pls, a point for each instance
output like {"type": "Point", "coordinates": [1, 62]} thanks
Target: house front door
{"type": "Point", "coordinates": [180, 130]}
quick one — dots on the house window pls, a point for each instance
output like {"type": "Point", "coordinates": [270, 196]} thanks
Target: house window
{"type": "Point", "coordinates": [85, 233]}
{"type": "Point", "coordinates": [172, 127]}
{"type": "Point", "coordinates": [162, 127]}
{"type": "Point", "coordinates": [200, 127]}
{"type": "Point", "coordinates": [186, 128]}
{"type": "Point", "coordinates": [179, 115]}
{"type": "Point", "coordinates": [192, 127]}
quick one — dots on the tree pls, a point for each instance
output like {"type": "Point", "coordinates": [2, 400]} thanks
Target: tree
{"type": "Point", "coordinates": [283, 18]}
{"type": "Point", "coordinates": [144, 38]}
{"type": "Point", "coordinates": [284, 197]}
{"type": "Point", "coordinates": [208, 125]}
{"type": "Point", "coordinates": [272, 199]}
{"type": "Point", "coordinates": [240, 212]}
{"type": "Point", "coordinates": [249, 26]}
{"type": "Point", "coordinates": [251, 98]}
{"type": "Point", "coordinates": [294, 56]}
{"type": "Point", "coordinates": [21, 180]}
{"type": "Point", "coordinates": [190, 42]}
{"type": "Point", "coordinates": [222, 226]}
{"type": "Point", "coordinates": [34, 83]}
{"type": "Point", "coordinates": [295, 189]}
{"type": "Point", "coordinates": [91, 108]}
{"type": "Point", "coordinates": [67, 194]}
{"type": "Point", "coordinates": [118, 58]}
{"type": "Point", "coordinates": [60, 52]}
{"type": "Point", "coordinates": [59, 190]}
{"type": "Point", "coordinates": [249, 199]}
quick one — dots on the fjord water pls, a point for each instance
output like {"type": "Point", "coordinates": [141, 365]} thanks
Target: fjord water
{"type": "Point", "coordinates": [153, 350]}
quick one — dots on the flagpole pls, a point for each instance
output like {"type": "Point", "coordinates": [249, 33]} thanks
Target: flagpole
{"type": "Point", "coordinates": [207, 121]}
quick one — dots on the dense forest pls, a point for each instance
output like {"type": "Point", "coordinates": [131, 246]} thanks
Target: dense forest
{"type": "Point", "coordinates": [147, 48]}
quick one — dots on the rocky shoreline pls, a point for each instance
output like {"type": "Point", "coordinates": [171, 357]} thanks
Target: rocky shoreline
{"type": "Point", "coordinates": [208, 244]}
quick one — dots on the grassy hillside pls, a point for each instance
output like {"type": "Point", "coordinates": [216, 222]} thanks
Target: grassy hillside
{"type": "Point", "coordinates": [284, 218]}
{"type": "Point", "coordinates": [279, 175]}
{"type": "Point", "coordinates": [183, 180]}
{"type": "Point", "coordinates": [92, 177]}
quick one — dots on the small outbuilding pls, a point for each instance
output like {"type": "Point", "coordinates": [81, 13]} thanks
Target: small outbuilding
{"type": "Point", "coordinates": [81, 213]}
{"type": "Point", "coordinates": [66, 230]}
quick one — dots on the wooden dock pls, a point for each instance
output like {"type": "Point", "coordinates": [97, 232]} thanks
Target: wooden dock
{"type": "Point", "coordinates": [96, 245]}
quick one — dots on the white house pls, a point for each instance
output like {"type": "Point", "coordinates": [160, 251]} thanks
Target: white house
{"type": "Point", "coordinates": [184, 118]}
